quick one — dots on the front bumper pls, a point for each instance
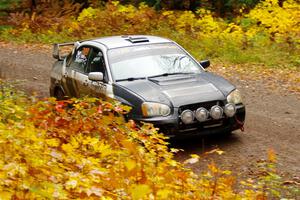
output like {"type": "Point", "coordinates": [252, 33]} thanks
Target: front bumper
{"type": "Point", "coordinates": [172, 126]}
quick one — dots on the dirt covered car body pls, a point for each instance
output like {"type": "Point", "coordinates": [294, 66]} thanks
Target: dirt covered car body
{"type": "Point", "coordinates": [161, 81]}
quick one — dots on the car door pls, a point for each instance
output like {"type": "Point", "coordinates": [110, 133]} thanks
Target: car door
{"type": "Point", "coordinates": [96, 63]}
{"type": "Point", "coordinates": [77, 80]}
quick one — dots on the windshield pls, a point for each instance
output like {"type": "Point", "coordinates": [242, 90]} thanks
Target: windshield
{"type": "Point", "coordinates": [150, 60]}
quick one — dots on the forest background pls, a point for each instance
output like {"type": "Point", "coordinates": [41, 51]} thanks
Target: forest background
{"type": "Point", "coordinates": [234, 31]}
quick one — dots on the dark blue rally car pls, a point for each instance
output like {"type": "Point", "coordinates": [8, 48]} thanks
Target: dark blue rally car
{"type": "Point", "coordinates": [159, 79]}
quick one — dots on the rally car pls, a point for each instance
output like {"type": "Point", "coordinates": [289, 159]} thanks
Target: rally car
{"type": "Point", "coordinates": [159, 79]}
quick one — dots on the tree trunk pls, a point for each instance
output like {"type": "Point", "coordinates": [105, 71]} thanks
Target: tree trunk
{"type": "Point", "coordinates": [33, 5]}
{"type": "Point", "coordinates": [219, 6]}
{"type": "Point", "coordinates": [193, 5]}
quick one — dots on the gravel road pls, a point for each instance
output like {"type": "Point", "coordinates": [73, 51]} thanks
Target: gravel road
{"type": "Point", "coordinates": [273, 117]}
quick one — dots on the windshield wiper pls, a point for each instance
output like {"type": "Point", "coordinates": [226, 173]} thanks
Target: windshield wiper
{"type": "Point", "coordinates": [168, 74]}
{"type": "Point", "coordinates": [130, 79]}
{"type": "Point", "coordinates": [159, 75]}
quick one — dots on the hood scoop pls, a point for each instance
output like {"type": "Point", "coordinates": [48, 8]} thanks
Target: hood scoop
{"type": "Point", "coordinates": [174, 79]}
{"type": "Point", "coordinates": [191, 91]}
{"type": "Point", "coordinates": [190, 94]}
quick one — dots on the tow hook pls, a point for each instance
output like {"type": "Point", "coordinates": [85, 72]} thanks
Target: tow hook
{"type": "Point", "coordinates": [241, 124]}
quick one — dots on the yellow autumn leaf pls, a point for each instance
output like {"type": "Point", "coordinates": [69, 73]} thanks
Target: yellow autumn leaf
{"type": "Point", "coordinates": [91, 141]}
{"type": "Point", "coordinates": [5, 195]}
{"type": "Point", "coordinates": [191, 161]}
{"type": "Point", "coordinates": [271, 155]}
{"type": "Point", "coordinates": [173, 163]}
{"type": "Point", "coordinates": [71, 184]}
{"type": "Point", "coordinates": [53, 142]}
{"type": "Point", "coordinates": [194, 159]}
{"type": "Point", "coordinates": [67, 148]}
{"type": "Point", "coordinates": [130, 164]}
{"type": "Point", "coordinates": [103, 148]}
{"type": "Point", "coordinates": [173, 150]}
{"type": "Point", "coordinates": [194, 156]}
{"type": "Point", "coordinates": [164, 193]}
{"type": "Point", "coordinates": [94, 190]}
{"type": "Point", "coordinates": [226, 172]}
{"type": "Point", "coordinates": [106, 198]}
{"type": "Point", "coordinates": [220, 152]}
{"type": "Point", "coordinates": [140, 191]}
{"type": "Point", "coordinates": [74, 143]}
{"type": "Point", "coordinates": [212, 167]}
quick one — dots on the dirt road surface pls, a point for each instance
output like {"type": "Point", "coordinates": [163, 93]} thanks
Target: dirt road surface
{"type": "Point", "coordinates": [273, 117]}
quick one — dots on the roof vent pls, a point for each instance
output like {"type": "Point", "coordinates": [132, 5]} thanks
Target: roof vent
{"type": "Point", "coordinates": [137, 39]}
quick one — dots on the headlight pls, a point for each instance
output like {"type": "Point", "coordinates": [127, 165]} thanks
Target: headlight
{"type": "Point", "coordinates": [150, 109]}
{"type": "Point", "coordinates": [234, 97]}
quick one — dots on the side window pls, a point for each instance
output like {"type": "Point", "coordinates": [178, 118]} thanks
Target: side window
{"type": "Point", "coordinates": [80, 59]}
{"type": "Point", "coordinates": [96, 63]}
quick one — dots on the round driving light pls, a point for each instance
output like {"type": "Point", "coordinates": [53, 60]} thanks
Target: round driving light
{"type": "Point", "coordinates": [230, 109]}
{"type": "Point", "coordinates": [187, 116]}
{"type": "Point", "coordinates": [216, 112]}
{"type": "Point", "coordinates": [201, 114]}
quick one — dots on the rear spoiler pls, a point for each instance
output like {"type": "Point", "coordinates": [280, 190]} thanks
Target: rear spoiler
{"type": "Point", "coordinates": [56, 49]}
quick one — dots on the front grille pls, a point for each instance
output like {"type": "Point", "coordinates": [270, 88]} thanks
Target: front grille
{"type": "Point", "coordinates": [197, 126]}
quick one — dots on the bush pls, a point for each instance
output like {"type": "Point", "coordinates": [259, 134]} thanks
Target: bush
{"type": "Point", "coordinates": [83, 148]}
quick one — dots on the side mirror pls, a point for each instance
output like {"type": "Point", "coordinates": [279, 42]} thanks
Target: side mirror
{"type": "Point", "coordinates": [96, 76]}
{"type": "Point", "coordinates": [205, 63]}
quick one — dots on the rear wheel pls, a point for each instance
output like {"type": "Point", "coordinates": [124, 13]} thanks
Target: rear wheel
{"type": "Point", "coordinates": [59, 94]}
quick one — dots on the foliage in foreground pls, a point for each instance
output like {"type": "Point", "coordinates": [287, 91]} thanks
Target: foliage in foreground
{"type": "Point", "coordinates": [269, 33]}
{"type": "Point", "coordinates": [84, 149]}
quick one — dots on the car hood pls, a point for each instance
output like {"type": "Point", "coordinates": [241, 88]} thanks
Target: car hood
{"type": "Point", "coordinates": [182, 89]}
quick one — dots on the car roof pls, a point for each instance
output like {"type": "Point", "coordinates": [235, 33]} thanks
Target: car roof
{"type": "Point", "coordinates": [129, 40]}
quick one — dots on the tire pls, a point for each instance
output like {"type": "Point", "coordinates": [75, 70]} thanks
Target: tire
{"type": "Point", "coordinates": [59, 94]}
{"type": "Point", "coordinates": [225, 134]}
